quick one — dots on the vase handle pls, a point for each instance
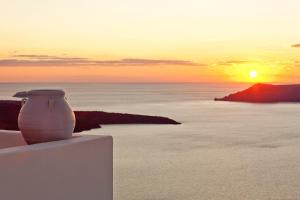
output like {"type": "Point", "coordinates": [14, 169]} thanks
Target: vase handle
{"type": "Point", "coordinates": [51, 104]}
{"type": "Point", "coordinates": [23, 101]}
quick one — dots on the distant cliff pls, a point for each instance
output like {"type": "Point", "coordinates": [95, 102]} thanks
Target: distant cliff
{"type": "Point", "coordinates": [266, 93]}
{"type": "Point", "coordinates": [85, 120]}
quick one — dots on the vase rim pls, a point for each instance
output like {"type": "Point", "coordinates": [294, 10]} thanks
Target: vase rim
{"type": "Point", "coordinates": [46, 92]}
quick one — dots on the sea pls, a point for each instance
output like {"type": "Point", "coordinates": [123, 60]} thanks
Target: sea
{"type": "Point", "coordinates": [222, 150]}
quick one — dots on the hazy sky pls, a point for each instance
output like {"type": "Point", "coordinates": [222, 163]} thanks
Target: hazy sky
{"type": "Point", "coordinates": [157, 40]}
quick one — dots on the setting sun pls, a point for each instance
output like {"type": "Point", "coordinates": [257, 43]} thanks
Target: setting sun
{"type": "Point", "coordinates": [253, 74]}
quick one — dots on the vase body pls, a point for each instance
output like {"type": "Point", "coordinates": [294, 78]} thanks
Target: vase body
{"type": "Point", "coordinates": [46, 116]}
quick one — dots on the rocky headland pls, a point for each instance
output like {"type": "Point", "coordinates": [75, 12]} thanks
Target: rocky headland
{"type": "Point", "coordinates": [266, 93]}
{"type": "Point", "coordinates": [85, 120]}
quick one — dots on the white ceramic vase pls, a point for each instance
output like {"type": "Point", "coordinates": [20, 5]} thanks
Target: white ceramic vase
{"type": "Point", "coordinates": [46, 116]}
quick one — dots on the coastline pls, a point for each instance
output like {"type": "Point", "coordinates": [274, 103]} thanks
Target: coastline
{"type": "Point", "coordinates": [85, 120]}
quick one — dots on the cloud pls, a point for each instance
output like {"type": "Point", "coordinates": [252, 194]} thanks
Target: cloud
{"type": "Point", "coordinates": [296, 45]}
{"type": "Point", "coordinates": [45, 57]}
{"type": "Point", "coordinates": [297, 63]}
{"type": "Point", "coordinates": [232, 62]}
{"type": "Point", "coordinates": [56, 61]}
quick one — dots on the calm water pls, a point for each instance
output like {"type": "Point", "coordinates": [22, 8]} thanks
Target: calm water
{"type": "Point", "coordinates": [222, 150]}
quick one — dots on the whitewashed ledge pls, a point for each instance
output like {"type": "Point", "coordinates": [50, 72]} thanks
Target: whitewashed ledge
{"type": "Point", "coordinates": [80, 168]}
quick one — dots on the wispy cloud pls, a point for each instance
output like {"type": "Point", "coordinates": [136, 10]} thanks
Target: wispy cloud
{"type": "Point", "coordinates": [45, 57]}
{"type": "Point", "coordinates": [56, 61]}
{"type": "Point", "coordinates": [232, 62]}
{"type": "Point", "coordinates": [296, 63]}
{"type": "Point", "coordinates": [296, 45]}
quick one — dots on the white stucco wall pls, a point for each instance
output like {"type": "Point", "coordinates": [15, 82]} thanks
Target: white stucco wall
{"type": "Point", "coordinates": [80, 168]}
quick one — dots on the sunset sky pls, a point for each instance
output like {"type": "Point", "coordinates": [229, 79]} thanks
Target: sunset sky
{"type": "Point", "coordinates": [150, 41]}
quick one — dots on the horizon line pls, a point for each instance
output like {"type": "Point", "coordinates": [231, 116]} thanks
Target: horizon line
{"type": "Point", "coordinates": [137, 82]}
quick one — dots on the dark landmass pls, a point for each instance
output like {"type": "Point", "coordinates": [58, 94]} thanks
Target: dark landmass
{"type": "Point", "coordinates": [266, 93]}
{"type": "Point", "coordinates": [85, 120]}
